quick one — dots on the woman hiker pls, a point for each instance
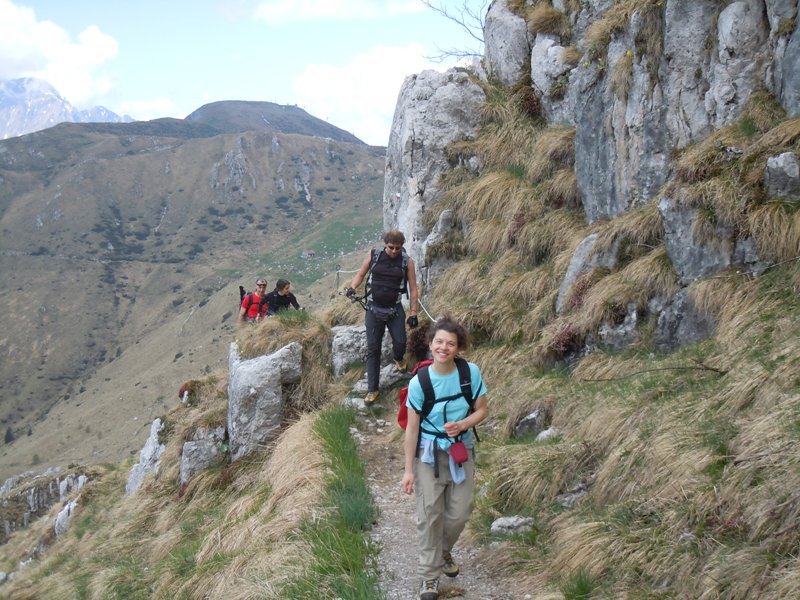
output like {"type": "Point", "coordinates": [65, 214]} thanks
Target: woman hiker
{"type": "Point", "coordinates": [443, 487]}
{"type": "Point", "coordinates": [281, 298]}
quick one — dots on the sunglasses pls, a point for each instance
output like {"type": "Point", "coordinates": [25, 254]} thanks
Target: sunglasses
{"type": "Point", "coordinates": [261, 285]}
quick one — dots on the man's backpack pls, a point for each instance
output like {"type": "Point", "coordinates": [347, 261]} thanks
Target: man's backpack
{"type": "Point", "coordinates": [376, 254]}
{"type": "Point", "coordinates": [424, 378]}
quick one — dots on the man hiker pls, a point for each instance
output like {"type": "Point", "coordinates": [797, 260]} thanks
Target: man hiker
{"type": "Point", "coordinates": [254, 304]}
{"type": "Point", "coordinates": [281, 298]}
{"type": "Point", "coordinates": [391, 274]}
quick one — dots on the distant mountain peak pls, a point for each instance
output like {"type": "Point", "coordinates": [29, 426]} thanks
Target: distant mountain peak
{"type": "Point", "coordinates": [28, 104]}
{"type": "Point", "coordinates": [236, 116]}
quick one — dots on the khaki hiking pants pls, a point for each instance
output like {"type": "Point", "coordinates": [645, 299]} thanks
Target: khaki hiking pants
{"type": "Point", "coordinates": [442, 511]}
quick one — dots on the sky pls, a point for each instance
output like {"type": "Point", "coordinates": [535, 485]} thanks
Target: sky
{"type": "Point", "coordinates": [343, 61]}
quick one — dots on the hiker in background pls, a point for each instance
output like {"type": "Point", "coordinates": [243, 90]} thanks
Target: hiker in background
{"type": "Point", "coordinates": [439, 452]}
{"type": "Point", "coordinates": [391, 274]}
{"type": "Point", "coordinates": [254, 304]}
{"type": "Point", "coordinates": [281, 298]}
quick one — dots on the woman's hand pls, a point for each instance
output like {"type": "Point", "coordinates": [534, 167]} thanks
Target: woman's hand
{"type": "Point", "coordinates": [453, 428]}
{"type": "Point", "coordinates": [407, 485]}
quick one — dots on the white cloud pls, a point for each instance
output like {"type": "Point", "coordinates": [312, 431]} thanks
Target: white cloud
{"type": "Point", "coordinates": [360, 97]}
{"type": "Point", "coordinates": [283, 11]}
{"type": "Point", "coordinates": [42, 49]}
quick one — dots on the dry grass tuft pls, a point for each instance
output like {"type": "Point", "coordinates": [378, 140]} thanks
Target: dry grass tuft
{"type": "Point", "coordinates": [776, 229]}
{"type": "Point", "coordinates": [762, 111]}
{"type": "Point", "coordinates": [487, 237]}
{"type": "Point", "coordinates": [613, 21]}
{"type": "Point", "coordinates": [554, 149]}
{"type": "Point", "coordinates": [722, 195]}
{"type": "Point", "coordinates": [561, 191]}
{"type": "Point", "coordinates": [603, 297]}
{"type": "Point", "coordinates": [642, 227]}
{"type": "Point", "coordinates": [622, 76]}
{"type": "Point", "coordinates": [496, 195]}
{"type": "Point", "coordinates": [784, 135]}
{"type": "Point", "coordinates": [543, 18]}
{"type": "Point", "coordinates": [340, 311]}
{"type": "Point", "coordinates": [530, 474]}
{"type": "Point", "coordinates": [553, 234]}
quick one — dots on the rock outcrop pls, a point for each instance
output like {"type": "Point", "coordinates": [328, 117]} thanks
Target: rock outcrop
{"type": "Point", "coordinates": [636, 84]}
{"type": "Point", "coordinates": [433, 110]}
{"type": "Point", "coordinates": [149, 458]}
{"type": "Point", "coordinates": [28, 496]}
{"type": "Point", "coordinates": [204, 447]}
{"type": "Point", "coordinates": [255, 396]}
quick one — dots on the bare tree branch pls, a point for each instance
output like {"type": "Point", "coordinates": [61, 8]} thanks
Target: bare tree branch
{"type": "Point", "coordinates": [469, 18]}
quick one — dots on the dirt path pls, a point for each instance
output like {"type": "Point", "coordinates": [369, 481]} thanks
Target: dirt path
{"type": "Point", "coordinates": [381, 449]}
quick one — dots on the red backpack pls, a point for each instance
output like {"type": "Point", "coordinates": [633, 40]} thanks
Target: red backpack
{"type": "Point", "coordinates": [402, 414]}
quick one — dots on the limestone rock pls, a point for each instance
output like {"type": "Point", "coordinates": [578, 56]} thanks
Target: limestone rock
{"type": "Point", "coordinates": [512, 525]}
{"type": "Point", "coordinates": [149, 458]}
{"type": "Point", "coordinates": [200, 451]}
{"type": "Point", "coordinates": [533, 423]}
{"type": "Point", "coordinates": [255, 396]}
{"type": "Point", "coordinates": [61, 522]}
{"type": "Point", "coordinates": [619, 336]}
{"type": "Point", "coordinates": [433, 110]}
{"type": "Point", "coordinates": [583, 260]}
{"type": "Point", "coordinates": [693, 258]}
{"type": "Point", "coordinates": [507, 44]}
{"type": "Point", "coordinates": [741, 40]}
{"type": "Point", "coordinates": [679, 324]}
{"type": "Point", "coordinates": [349, 347]}
{"type": "Point", "coordinates": [782, 175]}
{"type": "Point", "coordinates": [551, 433]}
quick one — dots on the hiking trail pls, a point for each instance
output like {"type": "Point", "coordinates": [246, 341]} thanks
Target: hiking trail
{"type": "Point", "coordinates": [381, 448]}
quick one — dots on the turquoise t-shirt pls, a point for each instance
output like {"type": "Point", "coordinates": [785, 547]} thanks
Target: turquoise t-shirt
{"type": "Point", "coordinates": [456, 409]}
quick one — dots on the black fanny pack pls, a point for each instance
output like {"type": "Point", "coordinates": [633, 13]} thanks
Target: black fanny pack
{"type": "Point", "coordinates": [383, 313]}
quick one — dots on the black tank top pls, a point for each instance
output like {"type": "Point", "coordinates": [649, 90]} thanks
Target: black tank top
{"type": "Point", "coordinates": [387, 280]}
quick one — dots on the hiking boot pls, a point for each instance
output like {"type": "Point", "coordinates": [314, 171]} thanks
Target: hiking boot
{"type": "Point", "coordinates": [429, 590]}
{"type": "Point", "coordinates": [450, 568]}
{"type": "Point", "coordinates": [370, 399]}
{"type": "Point", "coordinates": [401, 365]}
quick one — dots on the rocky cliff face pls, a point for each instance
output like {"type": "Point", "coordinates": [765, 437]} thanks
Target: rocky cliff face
{"type": "Point", "coordinates": [638, 80]}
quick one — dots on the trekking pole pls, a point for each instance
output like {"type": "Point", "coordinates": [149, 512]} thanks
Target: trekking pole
{"type": "Point", "coordinates": [360, 299]}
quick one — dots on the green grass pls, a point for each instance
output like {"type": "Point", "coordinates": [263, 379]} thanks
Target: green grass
{"type": "Point", "coordinates": [343, 558]}
{"type": "Point", "coordinates": [329, 242]}
{"type": "Point", "coordinates": [577, 586]}
{"type": "Point", "coordinates": [131, 580]}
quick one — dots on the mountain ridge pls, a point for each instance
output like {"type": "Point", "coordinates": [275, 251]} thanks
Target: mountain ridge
{"type": "Point", "coordinates": [29, 104]}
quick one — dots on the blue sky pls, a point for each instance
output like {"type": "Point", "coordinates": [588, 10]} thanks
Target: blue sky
{"type": "Point", "coordinates": [341, 60]}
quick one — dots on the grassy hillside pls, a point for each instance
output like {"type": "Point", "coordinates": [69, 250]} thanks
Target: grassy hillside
{"type": "Point", "coordinates": [121, 258]}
